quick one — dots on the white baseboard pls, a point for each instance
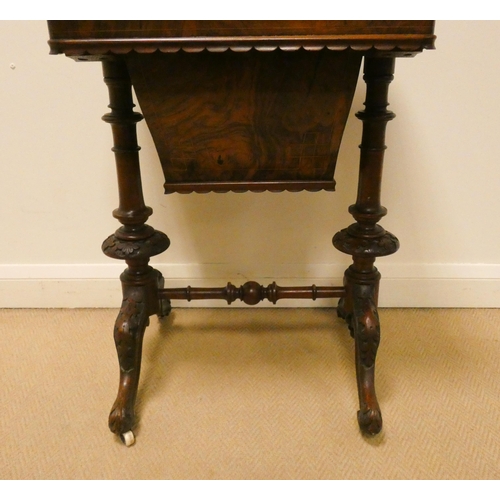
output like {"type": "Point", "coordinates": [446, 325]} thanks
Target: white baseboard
{"type": "Point", "coordinates": [403, 285]}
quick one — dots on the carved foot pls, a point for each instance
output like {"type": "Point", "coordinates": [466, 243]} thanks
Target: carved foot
{"type": "Point", "coordinates": [129, 331]}
{"type": "Point", "coordinates": [121, 420]}
{"type": "Point", "coordinates": [122, 417]}
{"type": "Point", "coordinates": [370, 421]}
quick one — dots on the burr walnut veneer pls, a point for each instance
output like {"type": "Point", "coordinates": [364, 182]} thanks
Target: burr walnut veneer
{"type": "Point", "coordinates": [244, 106]}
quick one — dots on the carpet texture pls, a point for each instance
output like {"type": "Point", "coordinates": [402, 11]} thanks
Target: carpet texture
{"type": "Point", "coordinates": [251, 394]}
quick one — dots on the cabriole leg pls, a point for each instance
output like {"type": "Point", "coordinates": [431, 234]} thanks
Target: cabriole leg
{"type": "Point", "coordinates": [360, 312]}
{"type": "Point", "coordinates": [129, 331]}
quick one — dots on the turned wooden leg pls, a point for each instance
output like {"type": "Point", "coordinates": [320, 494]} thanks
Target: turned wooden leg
{"type": "Point", "coordinates": [135, 242]}
{"type": "Point", "coordinates": [365, 240]}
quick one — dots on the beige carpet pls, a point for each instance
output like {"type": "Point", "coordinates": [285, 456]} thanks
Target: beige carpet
{"type": "Point", "coordinates": [251, 394]}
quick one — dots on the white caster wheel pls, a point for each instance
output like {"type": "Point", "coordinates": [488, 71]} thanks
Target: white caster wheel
{"type": "Point", "coordinates": [128, 438]}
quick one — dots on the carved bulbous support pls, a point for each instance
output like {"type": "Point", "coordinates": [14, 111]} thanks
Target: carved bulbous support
{"type": "Point", "coordinates": [352, 242]}
{"type": "Point", "coordinates": [117, 247]}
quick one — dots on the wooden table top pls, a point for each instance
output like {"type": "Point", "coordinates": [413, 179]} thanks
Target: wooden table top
{"type": "Point", "coordinates": [84, 39]}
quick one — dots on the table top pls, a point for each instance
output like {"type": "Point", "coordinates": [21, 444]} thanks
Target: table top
{"type": "Point", "coordinates": [88, 39]}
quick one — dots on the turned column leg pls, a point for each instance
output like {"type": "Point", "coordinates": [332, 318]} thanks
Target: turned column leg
{"type": "Point", "coordinates": [135, 242]}
{"type": "Point", "coordinates": [366, 239]}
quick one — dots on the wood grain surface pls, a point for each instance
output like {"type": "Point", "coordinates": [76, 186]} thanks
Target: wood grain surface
{"type": "Point", "coordinates": [163, 28]}
{"type": "Point", "coordinates": [248, 117]}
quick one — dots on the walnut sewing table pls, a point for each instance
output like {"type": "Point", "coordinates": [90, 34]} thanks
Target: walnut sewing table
{"type": "Point", "coordinates": [244, 106]}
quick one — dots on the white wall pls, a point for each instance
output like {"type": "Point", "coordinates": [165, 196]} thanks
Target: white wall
{"type": "Point", "coordinates": [441, 187]}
